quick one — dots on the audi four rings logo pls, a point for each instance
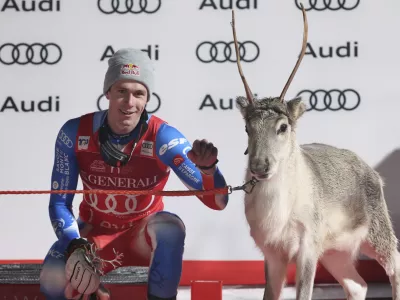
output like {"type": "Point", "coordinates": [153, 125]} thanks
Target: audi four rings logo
{"type": "Point", "coordinates": [321, 5]}
{"type": "Point", "coordinates": [222, 51]}
{"type": "Point", "coordinates": [334, 100]}
{"type": "Point", "coordinates": [35, 54]}
{"type": "Point", "coordinates": [128, 6]}
{"type": "Point", "coordinates": [112, 201]}
{"type": "Point", "coordinates": [65, 139]}
{"type": "Point", "coordinates": [153, 105]}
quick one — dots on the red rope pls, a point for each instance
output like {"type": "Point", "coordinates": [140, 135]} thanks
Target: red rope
{"type": "Point", "coordinates": [224, 190]}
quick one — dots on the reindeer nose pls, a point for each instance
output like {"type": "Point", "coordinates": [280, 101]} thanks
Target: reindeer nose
{"type": "Point", "coordinates": [259, 167]}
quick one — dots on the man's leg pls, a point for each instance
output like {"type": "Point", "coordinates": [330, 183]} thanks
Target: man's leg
{"type": "Point", "coordinates": [53, 282]}
{"type": "Point", "coordinates": [52, 276]}
{"type": "Point", "coordinates": [165, 232]}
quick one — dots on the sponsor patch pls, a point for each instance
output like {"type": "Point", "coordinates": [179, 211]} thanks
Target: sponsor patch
{"type": "Point", "coordinates": [55, 185]}
{"type": "Point", "coordinates": [83, 142]}
{"type": "Point", "coordinates": [178, 160]}
{"type": "Point", "coordinates": [98, 166]}
{"type": "Point", "coordinates": [147, 148]}
{"type": "Point", "coordinates": [130, 69]}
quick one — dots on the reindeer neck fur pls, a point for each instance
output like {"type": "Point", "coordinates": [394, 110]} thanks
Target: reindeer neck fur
{"type": "Point", "coordinates": [272, 203]}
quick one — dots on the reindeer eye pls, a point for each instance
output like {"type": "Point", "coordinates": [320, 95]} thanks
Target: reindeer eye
{"type": "Point", "coordinates": [282, 128]}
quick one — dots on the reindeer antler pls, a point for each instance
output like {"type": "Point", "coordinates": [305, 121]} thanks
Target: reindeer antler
{"type": "Point", "coordinates": [246, 86]}
{"type": "Point", "coordinates": [303, 50]}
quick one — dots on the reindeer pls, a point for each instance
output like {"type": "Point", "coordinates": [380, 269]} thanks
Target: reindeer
{"type": "Point", "coordinates": [311, 203]}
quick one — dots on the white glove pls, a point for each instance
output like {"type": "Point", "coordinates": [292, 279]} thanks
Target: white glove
{"type": "Point", "coordinates": [81, 273]}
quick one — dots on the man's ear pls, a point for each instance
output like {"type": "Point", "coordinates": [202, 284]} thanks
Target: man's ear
{"type": "Point", "coordinates": [296, 108]}
{"type": "Point", "coordinates": [241, 104]}
{"type": "Point", "coordinates": [108, 95]}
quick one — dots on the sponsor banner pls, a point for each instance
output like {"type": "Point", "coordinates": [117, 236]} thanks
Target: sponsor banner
{"type": "Point", "coordinates": [52, 67]}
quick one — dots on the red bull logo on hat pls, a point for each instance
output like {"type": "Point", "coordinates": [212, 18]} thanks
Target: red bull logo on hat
{"type": "Point", "coordinates": [130, 69]}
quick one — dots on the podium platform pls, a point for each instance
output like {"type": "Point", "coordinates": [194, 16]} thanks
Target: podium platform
{"type": "Point", "coordinates": [21, 282]}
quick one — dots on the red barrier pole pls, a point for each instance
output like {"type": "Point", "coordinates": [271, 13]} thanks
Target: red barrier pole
{"type": "Point", "coordinates": [206, 290]}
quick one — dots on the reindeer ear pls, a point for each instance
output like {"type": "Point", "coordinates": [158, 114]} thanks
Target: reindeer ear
{"type": "Point", "coordinates": [241, 104]}
{"type": "Point", "coordinates": [296, 108]}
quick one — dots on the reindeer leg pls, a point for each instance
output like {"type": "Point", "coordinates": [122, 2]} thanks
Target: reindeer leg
{"type": "Point", "coordinates": [389, 260]}
{"type": "Point", "coordinates": [341, 266]}
{"type": "Point", "coordinates": [275, 268]}
{"type": "Point", "coordinates": [306, 265]}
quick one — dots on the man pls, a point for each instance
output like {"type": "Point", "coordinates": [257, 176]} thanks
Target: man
{"type": "Point", "coordinates": [122, 148]}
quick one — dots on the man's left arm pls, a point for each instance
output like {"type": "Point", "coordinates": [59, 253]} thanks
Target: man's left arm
{"type": "Point", "coordinates": [173, 149]}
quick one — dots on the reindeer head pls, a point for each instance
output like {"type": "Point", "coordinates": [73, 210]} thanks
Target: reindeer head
{"type": "Point", "coordinates": [270, 122]}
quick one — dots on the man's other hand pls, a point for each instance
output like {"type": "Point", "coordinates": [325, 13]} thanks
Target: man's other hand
{"type": "Point", "coordinates": [203, 154]}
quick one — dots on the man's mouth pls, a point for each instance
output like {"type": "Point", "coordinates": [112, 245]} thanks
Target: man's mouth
{"type": "Point", "coordinates": [127, 113]}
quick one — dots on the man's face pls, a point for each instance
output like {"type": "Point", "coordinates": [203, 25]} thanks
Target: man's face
{"type": "Point", "coordinates": [127, 102]}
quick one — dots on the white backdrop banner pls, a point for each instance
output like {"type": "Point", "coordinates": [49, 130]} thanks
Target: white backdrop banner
{"type": "Point", "coordinates": [53, 57]}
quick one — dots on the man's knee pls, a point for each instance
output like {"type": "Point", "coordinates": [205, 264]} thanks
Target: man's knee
{"type": "Point", "coordinates": [167, 227]}
{"type": "Point", "coordinates": [52, 278]}
{"type": "Point", "coordinates": [167, 233]}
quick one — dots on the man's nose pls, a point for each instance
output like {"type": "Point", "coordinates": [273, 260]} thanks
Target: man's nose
{"type": "Point", "coordinates": [131, 100]}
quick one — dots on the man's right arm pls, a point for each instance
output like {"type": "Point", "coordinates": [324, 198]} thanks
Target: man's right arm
{"type": "Point", "coordinates": [64, 176]}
